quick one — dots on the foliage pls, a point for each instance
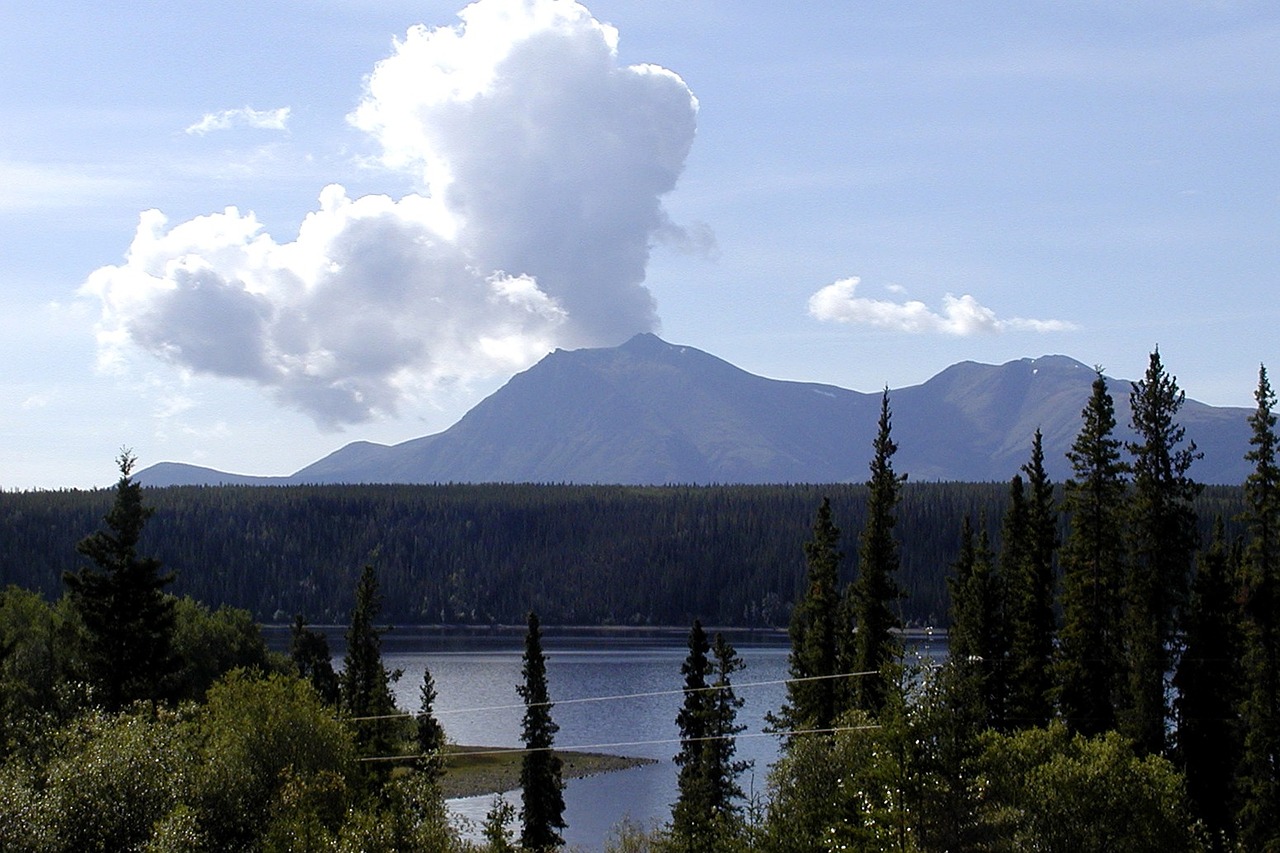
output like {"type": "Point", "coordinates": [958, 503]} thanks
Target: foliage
{"type": "Point", "coordinates": [1089, 663]}
{"type": "Point", "coordinates": [265, 741]}
{"type": "Point", "coordinates": [1208, 684]}
{"type": "Point", "coordinates": [1260, 769]}
{"type": "Point", "coordinates": [1163, 539]}
{"type": "Point", "coordinates": [128, 619]}
{"type": "Point", "coordinates": [428, 733]}
{"type": "Point", "coordinates": [365, 683]}
{"type": "Point", "coordinates": [489, 553]}
{"type": "Point", "coordinates": [817, 633]}
{"type": "Point", "coordinates": [495, 831]}
{"type": "Point", "coordinates": [874, 644]}
{"type": "Point", "coordinates": [1030, 541]}
{"type": "Point", "coordinates": [542, 789]}
{"type": "Point", "coordinates": [1050, 790]}
{"type": "Point", "coordinates": [209, 644]}
{"type": "Point", "coordinates": [110, 778]}
{"type": "Point", "coordinates": [309, 651]}
{"type": "Point", "coordinates": [977, 641]}
{"type": "Point", "coordinates": [705, 816]}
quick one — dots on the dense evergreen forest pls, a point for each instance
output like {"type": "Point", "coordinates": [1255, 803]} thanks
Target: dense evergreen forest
{"type": "Point", "coordinates": [489, 553]}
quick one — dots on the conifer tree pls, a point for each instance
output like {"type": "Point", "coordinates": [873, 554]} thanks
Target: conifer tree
{"type": "Point", "coordinates": [428, 733]}
{"type": "Point", "coordinates": [1260, 768]}
{"type": "Point", "coordinates": [1163, 534]}
{"type": "Point", "coordinates": [309, 651]}
{"type": "Point", "coordinates": [705, 814]}
{"type": "Point", "coordinates": [542, 797]}
{"type": "Point", "coordinates": [1208, 684]}
{"type": "Point", "coordinates": [976, 638]}
{"type": "Point", "coordinates": [816, 630]}
{"type": "Point", "coordinates": [870, 597]}
{"type": "Point", "coordinates": [128, 618]}
{"type": "Point", "coordinates": [690, 821]}
{"type": "Point", "coordinates": [1089, 664]}
{"type": "Point", "coordinates": [723, 769]}
{"type": "Point", "coordinates": [365, 683]}
{"type": "Point", "coordinates": [1030, 580]}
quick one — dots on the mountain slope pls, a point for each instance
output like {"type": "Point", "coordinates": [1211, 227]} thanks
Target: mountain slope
{"type": "Point", "coordinates": [650, 412]}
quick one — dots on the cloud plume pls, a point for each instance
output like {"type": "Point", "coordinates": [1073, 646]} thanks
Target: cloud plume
{"type": "Point", "coordinates": [542, 164]}
{"type": "Point", "coordinates": [961, 315]}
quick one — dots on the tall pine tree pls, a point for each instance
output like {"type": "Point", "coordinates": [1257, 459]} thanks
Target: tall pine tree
{"type": "Point", "coordinates": [1163, 534]}
{"type": "Point", "coordinates": [1027, 561]}
{"type": "Point", "coordinates": [816, 635]}
{"type": "Point", "coordinates": [542, 788]}
{"type": "Point", "coordinates": [128, 618]}
{"type": "Point", "coordinates": [1090, 664]}
{"type": "Point", "coordinates": [691, 826]}
{"type": "Point", "coordinates": [871, 596]}
{"type": "Point", "coordinates": [723, 769]}
{"type": "Point", "coordinates": [705, 815]}
{"type": "Point", "coordinates": [977, 636]}
{"type": "Point", "coordinates": [428, 733]}
{"type": "Point", "coordinates": [1260, 769]}
{"type": "Point", "coordinates": [1038, 606]}
{"type": "Point", "coordinates": [365, 683]}
{"type": "Point", "coordinates": [1208, 688]}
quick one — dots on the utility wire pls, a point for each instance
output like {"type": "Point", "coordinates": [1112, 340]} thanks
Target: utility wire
{"type": "Point", "coordinates": [595, 746]}
{"type": "Point", "coordinates": [620, 696]}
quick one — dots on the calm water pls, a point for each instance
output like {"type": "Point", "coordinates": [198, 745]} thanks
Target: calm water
{"type": "Point", "coordinates": [477, 703]}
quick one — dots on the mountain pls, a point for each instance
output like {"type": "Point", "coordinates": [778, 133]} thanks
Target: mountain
{"type": "Point", "coordinates": [649, 412]}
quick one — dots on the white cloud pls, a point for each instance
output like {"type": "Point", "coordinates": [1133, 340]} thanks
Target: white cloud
{"type": "Point", "coordinates": [542, 164]}
{"type": "Point", "coordinates": [276, 119]}
{"type": "Point", "coordinates": [368, 305]}
{"type": "Point", "coordinates": [961, 315]}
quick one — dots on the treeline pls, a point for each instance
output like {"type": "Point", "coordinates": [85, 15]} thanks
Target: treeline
{"type": "Point", "coordinates": [490, 553]}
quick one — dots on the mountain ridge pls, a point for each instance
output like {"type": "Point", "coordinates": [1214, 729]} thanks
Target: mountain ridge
{"type": "Point", "coordinates": [649, 412]}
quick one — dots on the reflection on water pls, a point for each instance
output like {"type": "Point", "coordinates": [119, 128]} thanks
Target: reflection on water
{"type": "Point", "coordinates": [476, 679]}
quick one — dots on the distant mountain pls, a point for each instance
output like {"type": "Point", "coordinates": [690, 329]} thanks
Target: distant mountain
{"type": "Point", "coordinates": [649, 412]}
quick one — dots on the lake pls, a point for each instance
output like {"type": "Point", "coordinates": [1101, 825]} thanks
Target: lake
{"type": "Point", "coordinates": [476, 674]}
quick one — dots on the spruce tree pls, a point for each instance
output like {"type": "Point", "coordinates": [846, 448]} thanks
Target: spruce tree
{"type": "Point", "coordinates": [705, 814]}
{"type": "Point", "coordinates": [1260, 768]}
{"type": "Point", "coordinates": [365, 683]}
{"type": "Point", "coordinates": [1089, 666]}
{"type": "Point", "coordinates": [1030, 580]}
{"type": "Point", "coordinates": [690, 824]}
{"type": "Point", "coordinates": [871, 596]}
{"type": "Point", "coordinates": [309, 651]}
{"type": "Point", "coordinates": [976, 639]}
{"type": "Point", "coordinates": [816, 632]}
{"type": "Point", "coordinates": [542, 797]}
{"type": "Point", "coordinates": [128, 619]}
{"type": "Point", "coordinates": [1163, 538]}
{"type": "Point", "coordinates": [1208, 685]}
{"type": "Point", "coordinates": [428, 733]}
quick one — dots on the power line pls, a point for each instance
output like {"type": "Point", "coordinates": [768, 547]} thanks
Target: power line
{"type": "Point", "coordinates": [616, 697]}
{"type": "Point", "coordinates": [598, 746]}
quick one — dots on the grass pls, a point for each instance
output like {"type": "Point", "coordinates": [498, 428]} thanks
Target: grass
{"type": "Point", "coordinates": [470, 771]}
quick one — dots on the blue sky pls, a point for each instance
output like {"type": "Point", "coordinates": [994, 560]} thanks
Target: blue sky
{"type": "Point", "coordinates": [361, 230]}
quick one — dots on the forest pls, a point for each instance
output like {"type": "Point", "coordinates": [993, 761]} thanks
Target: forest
{"type": "Point", "coordinates": [481, 554]}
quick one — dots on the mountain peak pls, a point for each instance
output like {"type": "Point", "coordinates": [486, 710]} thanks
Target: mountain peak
{"type": "Point", "coordinates": [651, 412]}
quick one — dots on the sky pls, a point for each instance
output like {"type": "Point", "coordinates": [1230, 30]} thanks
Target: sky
{"type": "Point", "coordinates": [242, 235]}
